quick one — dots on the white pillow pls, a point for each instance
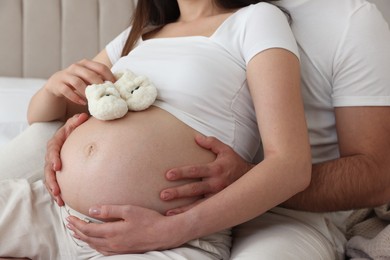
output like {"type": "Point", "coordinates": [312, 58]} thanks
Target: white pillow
{"type": "Point", "coordinates": [15, 94]}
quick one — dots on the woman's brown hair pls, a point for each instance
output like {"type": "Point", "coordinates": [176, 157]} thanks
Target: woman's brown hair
{"type": "Point", "coordinates": [155, 13]}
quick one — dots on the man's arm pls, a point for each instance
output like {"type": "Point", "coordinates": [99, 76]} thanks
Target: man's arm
{"type": "Point", "coordinates": [361, 177]}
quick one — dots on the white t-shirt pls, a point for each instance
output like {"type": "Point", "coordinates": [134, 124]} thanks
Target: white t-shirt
{"type": "Point", "coordinates": [202, 80]}
{"type": "Point", "coordinates": [344, 48]}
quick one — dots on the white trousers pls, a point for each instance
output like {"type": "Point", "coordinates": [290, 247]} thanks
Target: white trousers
{"type": "Point", "coordinates": [33, 226]}
{"type": "Point", "coordinates": [290, 235]}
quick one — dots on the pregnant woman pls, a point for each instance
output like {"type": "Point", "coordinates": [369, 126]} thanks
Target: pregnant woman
{"type": "Point", "coordinates": [227, 69]}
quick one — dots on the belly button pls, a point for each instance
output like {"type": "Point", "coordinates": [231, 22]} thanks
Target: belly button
{"type": "Point", "coordinates": [90, 149]}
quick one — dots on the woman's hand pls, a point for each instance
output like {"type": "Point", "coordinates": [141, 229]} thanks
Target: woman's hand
{"type": "Point", "coordinates": [217, 175]}
{"type": "Point", "coordinates": [63, 95]}
{"type": "Point", "coordinates": [72, 81]}
{"type": "Point", "coordinates": [53, 160]}
{"type": "Point", "coordinates": [138, 230]}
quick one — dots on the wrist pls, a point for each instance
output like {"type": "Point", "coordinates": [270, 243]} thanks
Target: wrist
{"type": "Point", "coordinates": [181, 228]}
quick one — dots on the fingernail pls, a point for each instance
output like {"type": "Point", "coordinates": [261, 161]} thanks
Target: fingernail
{"type": "Point", "coordinates": [166, 195]}
{"type": "Point", "coordinates": [171, 175]}
{"type": "Point", "coordinates": [94, 211]}
{"type": "Point", "coordinates": [82, 102]}
{"type": "Point", "coordinates": [172, 212]}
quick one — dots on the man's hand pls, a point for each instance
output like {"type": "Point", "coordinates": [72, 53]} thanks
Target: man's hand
{"type": "Point", "coordinates": [139, 230]}
{"type": "Point", "coordinates": [227, 168]}
{"type": "Point", "coordinates": [53, 160]}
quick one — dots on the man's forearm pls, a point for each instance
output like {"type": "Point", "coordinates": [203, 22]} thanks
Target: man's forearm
{"type": "Point", "coordinates": [343, 184]}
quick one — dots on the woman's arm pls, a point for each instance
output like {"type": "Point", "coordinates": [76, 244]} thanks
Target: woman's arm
{"type": "Point", "coordinates": [273, 76]}
{"type": "Point", "coordinates": [63, 94]}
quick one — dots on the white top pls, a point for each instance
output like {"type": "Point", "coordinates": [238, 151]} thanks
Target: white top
{"type": "Point", "coordinates": [202, 80]}
{"type": "Point", "coordinates": [344, 48]}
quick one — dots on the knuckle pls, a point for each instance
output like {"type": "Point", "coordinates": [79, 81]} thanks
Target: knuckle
{"type": "Point", "coordinates": [192, 171]}
{"type": "Point", "coordinates": [77, 83]}
{"type": "Point", "coordinates": [49, 152]}
{"type": "Point", "coordinates": [73, 66]}
{"type": "Point", "coordinates": [63, 89]}
{"type": "Point", "coordinates": [217, 170]}
{"type": "Point", "coordinates": [195, 190]}
{"type": "Point", "coordinates": [84, 229]}
{"type": "Point", "coordinates": [109, 233]}
{"type": "Point", "coordinates": [173, 193]}
{"type": "Point", "coordinates": [70, 128]}
{"type": "Point", "coordinates": [105, 211]}
{"type": "Point", "coordinates": [101, 68]}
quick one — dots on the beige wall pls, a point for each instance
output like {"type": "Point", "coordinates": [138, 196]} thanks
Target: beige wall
{"type": "Point", "coordinates": [39, 37]}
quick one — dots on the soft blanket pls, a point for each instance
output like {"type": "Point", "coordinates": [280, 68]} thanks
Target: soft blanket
{"type": "Point", "coordinates": [368, 231]}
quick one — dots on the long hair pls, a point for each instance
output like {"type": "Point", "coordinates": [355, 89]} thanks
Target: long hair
{"type": "Point", "coordinates": [157, 13]}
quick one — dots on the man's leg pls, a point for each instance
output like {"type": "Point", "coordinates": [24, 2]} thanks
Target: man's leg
{"type": "Point", "coordinates": [281, 235]}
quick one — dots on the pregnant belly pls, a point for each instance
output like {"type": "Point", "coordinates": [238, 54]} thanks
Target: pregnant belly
{"type": "Point", "coordinates": [124, 161]}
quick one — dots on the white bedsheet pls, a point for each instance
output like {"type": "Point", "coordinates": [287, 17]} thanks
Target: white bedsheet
{"type": "Point", "coordinates": [15, 94]}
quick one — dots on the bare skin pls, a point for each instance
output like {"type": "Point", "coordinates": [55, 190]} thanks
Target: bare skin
{"type": "Point", "coordinates": [98, 167]}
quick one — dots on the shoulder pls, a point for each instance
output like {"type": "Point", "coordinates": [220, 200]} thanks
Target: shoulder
{"type": "Point", "coordinates": [258, 16]}
{"type": "Point", "coordinates": [264, 9]}
{"type": "Point", "coordinates": [261, 6]}
{"type": "Point", "coordinates": [264, 26]}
